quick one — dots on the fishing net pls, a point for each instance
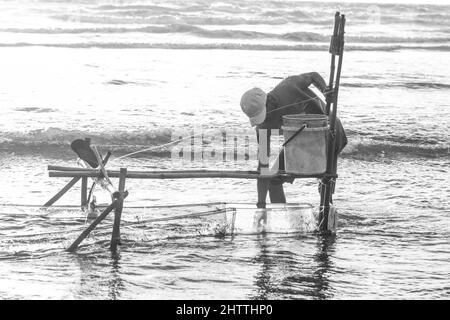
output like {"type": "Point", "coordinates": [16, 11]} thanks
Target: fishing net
{"type": "Point", "coordinates": [217, 220]}
{"type": "Point", "coordinates": [60, 226]}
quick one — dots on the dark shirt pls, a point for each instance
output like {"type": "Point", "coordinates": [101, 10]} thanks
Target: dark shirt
{"type": "Point", "coordinates": [290, 92]}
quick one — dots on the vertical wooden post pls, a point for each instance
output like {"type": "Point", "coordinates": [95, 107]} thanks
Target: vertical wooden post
{"type": "Point", "coordinates": [115, 237]}
{"type": "Point", "coordinates": [337, 47]}
{"type": "Point", "coordinates": [333, 58]}
{"type": "Point", "coordinates": [84, 182]}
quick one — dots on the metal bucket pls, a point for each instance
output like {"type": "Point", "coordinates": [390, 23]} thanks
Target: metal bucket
{"type": "Point", "coordinates": [306, 153]}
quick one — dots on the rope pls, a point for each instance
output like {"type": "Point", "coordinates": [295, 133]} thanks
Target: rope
{"type": "Point", "coordinates": [37, 205]}
{"type": "Point", "coordinates": [104, 205]}
{"type": "Point", "coordinates": [298, 102]}
{"type": "Point", "coordinates": [333, 180]}
{"type": "Point", "coordinates": [164, 219]}
{"type": "Point", "coordinates": [162, 145]}
{"type": "Point", "coordinates": [305, 129]}
{"type": "Point", "coordinates": [123, 224]}
{"type": "Point", "coordinates": [50, 233]}
{"type": "Point", "coordinates": [212, 130]}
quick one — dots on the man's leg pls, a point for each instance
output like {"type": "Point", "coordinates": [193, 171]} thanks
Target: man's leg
{"type": "Point", "coordinates": [276, 191]}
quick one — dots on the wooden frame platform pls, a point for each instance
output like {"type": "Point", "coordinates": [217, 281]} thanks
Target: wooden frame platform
{"type": "Point", "coordinates": [328, 178]}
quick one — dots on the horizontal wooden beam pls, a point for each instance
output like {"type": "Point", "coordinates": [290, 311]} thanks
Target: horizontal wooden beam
{"type": "Point", "coordinates": [184, 174]}
{"type": "Point", "coordinates": [61, 168]}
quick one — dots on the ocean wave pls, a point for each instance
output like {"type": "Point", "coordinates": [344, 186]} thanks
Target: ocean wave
{"type": "Point", "coordinates": [407, 85]}
{"type": "Point", "coordinates": [36, 110]}
{"type": "Point", "coordinates": [305, 12]}
{"type": "Point", "coordinates": [57, 141]}
{"type": "Point", "coordinates": [62, 137]}
{"type": "Point", "coordinates": [266, 13]}
{"type": "Point", "coordinates": [174, 28]}
{"type": "Point", "coordinates": [171, 28]}
{"type": "Point", "coordinates": [225, 46]}
{"type": "Point", "coordinates": [299, 36]}
{"type": "Point", "coordinates": [169, 19]}
{"type": "Point", "coordinates": [118, 82]}
{"type": "Point", "coordinates": [205, 8]}
{"type": "Point", "coordinates": [370, 149]}
{"type": "Point", "coordinates": [154, 8]}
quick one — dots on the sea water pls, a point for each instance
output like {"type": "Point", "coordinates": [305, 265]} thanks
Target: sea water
{"type": "Point", "coordinates": [130, 74]}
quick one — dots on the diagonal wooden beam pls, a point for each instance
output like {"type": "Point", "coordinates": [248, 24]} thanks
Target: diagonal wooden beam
{"type": "Point", "coordinates": [91, 227]}
{"type": "Point", "coordinates": [61, 192]}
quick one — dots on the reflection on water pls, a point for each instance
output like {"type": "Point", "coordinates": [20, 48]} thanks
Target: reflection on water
{"type": "Point", "coordinates": [288, 274]}
{"type": "Point", "coordinates": [98, 280]}
{"type": "Point", "coordinates": [263, 277]}
{"type": "Point", "coordinates": [325, 249]}
{"type": "Point", "coordinates": [115, 284]}
{"type": "Point", "coordinates": [287, 267]}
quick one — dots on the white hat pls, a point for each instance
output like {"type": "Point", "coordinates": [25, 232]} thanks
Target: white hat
{"type": "Point", "coordinates": [253, 103]}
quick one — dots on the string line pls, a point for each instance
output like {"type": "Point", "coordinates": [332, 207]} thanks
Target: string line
{"type": "Point", "coordinates": [212, 130]}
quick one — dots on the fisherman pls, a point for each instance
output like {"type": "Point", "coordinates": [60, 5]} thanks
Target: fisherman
{"type": "Point", "coordinates": [290, 96]}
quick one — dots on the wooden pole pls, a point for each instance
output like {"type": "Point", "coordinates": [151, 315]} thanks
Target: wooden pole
{"type": "Point", "coordinates": [115, 237]}
{"type": "Point", "coordinates": [115, 173]}
{"type": "Point", "coordinates": [84, 199]}
{"type": "Point", "coordinates": [333, 57]}
{"type": "Point", "coordinates": [327, 183]}
{"type": "Point", "coordinates": [334, 38]}
{"type": "Point", "coordinates": [182, 174]}
{"type": "Point", "coordinates": [66, 188]}
{"type": "Point", "coordinates": [91, 227]}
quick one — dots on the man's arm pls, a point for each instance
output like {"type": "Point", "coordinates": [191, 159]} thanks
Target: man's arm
{"type": "Point", "coordinates": [307, 79]}
{"type": "Point", "coordinates": [316, 104]}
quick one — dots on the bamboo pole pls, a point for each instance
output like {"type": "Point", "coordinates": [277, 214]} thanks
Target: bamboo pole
{"type": "Point", "coordinates": [333, 58]}
{"type": "Point", "coordinates": [185, 174]}
{"type": "Point", "coordinates": [91, 227]}
{"type": "Point", "coordinates": [84, 199]}
{"type": "Point", "coordinates": [331, 157]}
{"type": "Point", "coordinates": [116, 172]}
{"type": "Point", "coordinates": [61, 168]}
{"type": "Point", "coordinates": [115, 237]}
{"type": "Point", "coordinates": [337, 18]}
{"type": "Point", "coordinates": [66, 188]}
